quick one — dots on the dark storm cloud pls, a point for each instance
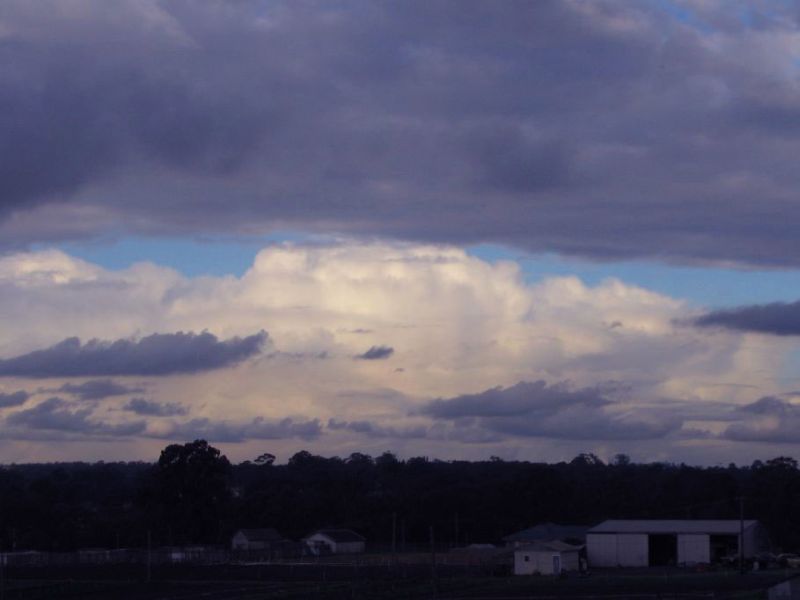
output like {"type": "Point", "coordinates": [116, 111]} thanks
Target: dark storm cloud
{"type": "Point", "coordinates": [376, 353]}
{"type": "Point", "coordinates": [768, 419]}
{"type": "Point", "coordinates": [54, 414]}
{"type": "Point", "coordinates": [778, 318]}
{"type": "Point", "coordinates": [375, 430]}
{"type": "Point", "coordinates": [553, 411]}
{"type": "Point", "coordinates": [257, 429]}
{"type": "Point", "coordinates": [97, 389]}
{"type": "Point", "coordinates": [156, 354]}
{"type": "Point", "coordinates": [151, 408]}
{"type": "Point", "coordinates": [602, 129]}
{"type": "Point", "coordinates": [14, 399]}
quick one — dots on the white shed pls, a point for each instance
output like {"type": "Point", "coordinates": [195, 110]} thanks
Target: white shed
{"type": "Point", "coordinates": [622, 543]}
{"type": "Point", "coordinates": [335, 541]}
{"type": "Point", "coordinates": [546, 558]}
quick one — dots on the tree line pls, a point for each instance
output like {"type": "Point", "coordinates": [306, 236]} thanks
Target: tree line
{"type": "Point", "coordinates": [194, 495]}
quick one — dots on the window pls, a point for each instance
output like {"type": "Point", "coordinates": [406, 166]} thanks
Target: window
{"type": "Point", "coordinates": [527, 558]}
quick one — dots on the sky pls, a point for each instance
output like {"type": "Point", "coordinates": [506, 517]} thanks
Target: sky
{"type": "Point", "coordinates": [448, 228]}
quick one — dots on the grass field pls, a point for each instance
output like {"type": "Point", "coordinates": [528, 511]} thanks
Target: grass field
{"type": "Point", "coordinates": [256, 584]}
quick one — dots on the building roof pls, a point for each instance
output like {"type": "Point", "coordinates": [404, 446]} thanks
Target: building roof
{"type": "Point", "coordinates": [261, 535]}
{"type": "Point", "coordinates": [729, 527]}
{"type": "Point", "coordinates": [340, 535]}
{"type": "Point", "coordinates": [554, 546]}
{"type": "Point", "coordinates": [548, 531]}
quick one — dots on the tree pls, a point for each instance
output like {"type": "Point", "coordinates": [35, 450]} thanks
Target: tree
{"type": "Point", "coordinates": [191, 491]}
{"type": "Point", "coordinates": [621, 460]}
{"type": "Point", "coordinates": [265, 459]}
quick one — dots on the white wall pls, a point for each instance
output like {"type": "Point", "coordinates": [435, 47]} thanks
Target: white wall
{"type": "Point", "coordinates": [601, 549]}
{"type": "Point", "coordinates": [694, 548]}
{"type": "Point", "coordinates": [633, 550]}
{"type": "Point", "coordinates": [542, 562]}
{"type": "Point", "coordinates": [617, 550]}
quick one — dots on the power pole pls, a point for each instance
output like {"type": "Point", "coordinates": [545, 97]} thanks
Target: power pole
{"type": "Point", "coordinates": [149, 556]}
{"type": "Point", "coordinates": [394, 537]}
{"type": "Point", "coordinates": [433, 564]}
{"type": "Point", "coordinates": [741, 535]}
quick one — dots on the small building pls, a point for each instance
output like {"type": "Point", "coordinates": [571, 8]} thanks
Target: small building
{"type": "Point", "coordinates": [256, 539]}
{"type": "Point", "coordinates": [623, 543]}
{"type": "Point", "coordinates": [335, 541]}
{"type": "Point", "coordinates": [547, 532]}
{"type": "Point", "coordinates": [546, 558]}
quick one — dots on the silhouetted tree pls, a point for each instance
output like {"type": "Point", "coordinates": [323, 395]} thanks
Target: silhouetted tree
{"type": "Point", "coordinates": [190, 492]}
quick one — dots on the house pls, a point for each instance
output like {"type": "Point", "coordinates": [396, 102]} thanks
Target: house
{"type": "Point", "coordinates": [335, 541]}
{"type": "Point", "coordinates": [547, 532]}
{"type": "Point", "coordinates": [622, 543]}
{"type": "Point", "coordinates": [546, 558]}
{"type": "Point", "coordinates": [256, 539]}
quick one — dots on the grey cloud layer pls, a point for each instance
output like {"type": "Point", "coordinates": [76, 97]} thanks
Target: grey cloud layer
{"type": "Point", "coordinates": [769, 419]}
{"type": "Point", "coordinates": [56, 414]}
{"type": "Point", "coordinates": [13, 399]}
{"type": "Point", "coordinates": [156, 354]}
{"type": "Point", "coordinates": [97, 389]}
{"type": "Point", "coordinates": [257, 429]}
{"type": "Point", "coordinates": [151, 408]}
{"type": "Point", "coordinates": [606, 129]}
{"type": "Point", "coordinates": [552, 411]}
{"type": "Point", "coordinates": [376, 353]}
{"type": "Point", "coordinates": [777, 318]}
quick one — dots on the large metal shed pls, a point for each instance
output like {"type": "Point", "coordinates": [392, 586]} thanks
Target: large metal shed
{"type": "Point", "coordinates": [623, 543]}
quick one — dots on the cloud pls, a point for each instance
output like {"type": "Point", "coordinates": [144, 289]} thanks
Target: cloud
{"type": "Point", "coordinates": [520, 399]}
{"type": "Point", "coordinates": [13, 399]}
{"type": "Point", "coordinates": [374, 430]}
{"type": "Point", "coordinates": [144, 407]}
{"type": "Point", "coordinates": [768, 419]}
{"type": "Point", "coordinates": [55, 414]}
{"type": "Point", "coordinates": [97, 389]}
{"type": "Point", "coordinates": [553, 411]}
{"type": "Point", "coordinates": [603, 130]}
{"type": "Point", "coordinates": [376, 353]}
{"type": "Point", "coordinates": [256, 429]}
{"type": "Point", "coordinates": [465, 325]}
{"type": "Point", "coordinates": [156, 354]}
{"type": "Point", "coordinates": [778, 318]}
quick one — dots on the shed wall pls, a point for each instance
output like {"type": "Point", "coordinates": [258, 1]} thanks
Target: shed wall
{"type": "Point", "coordinates": [694, 548]}
{"type": "Point", "coordinates": [601, 549]}
{"type": "Point", "coordinates": [542, 562]}
{"type": "Point", "coordinates": [632, 550]}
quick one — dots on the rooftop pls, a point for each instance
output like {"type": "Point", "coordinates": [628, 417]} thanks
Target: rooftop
{"type": "Point", "coordinates": [340, 535]}
{"type": "Point", "coordinates": [548, 531]}
{"type": "Point", "coordinates": [723, 527]}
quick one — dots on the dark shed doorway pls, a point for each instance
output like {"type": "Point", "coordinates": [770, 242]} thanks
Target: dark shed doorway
{"type": "Point", "coordinates": [663, 549]}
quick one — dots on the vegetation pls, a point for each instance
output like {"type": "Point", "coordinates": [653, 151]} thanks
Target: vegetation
{"type": "Point", "coordinates": [194, 495]}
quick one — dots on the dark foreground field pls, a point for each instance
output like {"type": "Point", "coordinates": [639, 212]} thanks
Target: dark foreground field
{"type": "Point", "coordinates": [259, 582]}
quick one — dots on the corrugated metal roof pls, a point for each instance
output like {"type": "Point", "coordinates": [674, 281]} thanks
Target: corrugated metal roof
{"type": "Point", "coordinates": [548, 531]}
{"type": "Point", "coordinates": [721, 527]}
{"type": "Point", "coordinates": [554, 546]}
{"type": "Point", "coordinates": [341, 535]}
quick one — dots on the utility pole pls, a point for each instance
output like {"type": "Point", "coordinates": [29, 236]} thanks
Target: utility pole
{"type": "Point", "coordinates": [394, 537]}
{"type": "Point", "coordinates": [433, 564]}
{"type": "Point", "coordinates": [149, 556]}
{"type": "Point", "coordinates": [741, 535]}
